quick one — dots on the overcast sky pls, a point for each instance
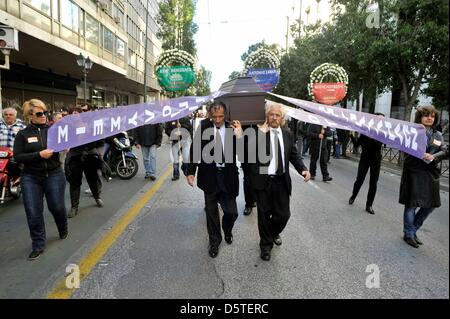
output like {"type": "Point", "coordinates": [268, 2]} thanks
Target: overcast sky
{"type": "Point", "coordinates": [228, 27]}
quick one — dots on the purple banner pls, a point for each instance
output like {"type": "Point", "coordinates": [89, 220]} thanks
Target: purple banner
{"type": "Point", "coordinates": [78, 129]}
{"type": "Point", "coordinates": [405, 136]}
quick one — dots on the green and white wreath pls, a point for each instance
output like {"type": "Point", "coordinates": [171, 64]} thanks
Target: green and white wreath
{"type": "Point", "coordinates": [175, 57]}
{"type": "Point", "coordinates": [331, 72]}
{"type": "Point", "coordinates": [261, 56]}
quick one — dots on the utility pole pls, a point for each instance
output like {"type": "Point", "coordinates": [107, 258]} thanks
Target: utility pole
{"type": "Point", "coordinates": [287, 33]}
{"type": "Point", "coordinates": [145, 52]}
{"type": "Point", "coordinates": [300, 21]}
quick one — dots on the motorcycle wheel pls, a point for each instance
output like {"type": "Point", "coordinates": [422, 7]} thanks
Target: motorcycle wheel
{"type": "Point", "coordinates": [18, 193]}
{"type": "Point", "coordinates": [129, 171]}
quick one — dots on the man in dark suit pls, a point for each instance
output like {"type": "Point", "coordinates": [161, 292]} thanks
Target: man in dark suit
{"type": "Point", "coordinates": [370, 158]}
{"type": "Point", "coordinates": [271, 179]}
{"type": "Point", "coordinates": [179, 133]}
{"type": "Point", "coordinates": [318, 146]}
{"type": "Point", "coordinates": [213, 152]}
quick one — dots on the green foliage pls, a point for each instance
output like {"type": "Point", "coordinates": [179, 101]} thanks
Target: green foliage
{"type": "Point", "coordinates": [409, 47]}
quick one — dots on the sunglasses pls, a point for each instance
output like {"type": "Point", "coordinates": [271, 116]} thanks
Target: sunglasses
{"type": "Point", "coordinates": [40, 114]}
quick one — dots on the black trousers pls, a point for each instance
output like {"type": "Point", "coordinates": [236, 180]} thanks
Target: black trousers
{"type": "Point", "coordinates": [230, 214]}
{"type": "Point", "coordinates": [273, 211]}
{"type": "Point", "coordinates": [249, 192]}
{"type": "Point", "coordinates": [363, 167]}
{"type": "Point", "coordinates": [323, 160]}
{"type": "Point", "coordinates": [89, 167]}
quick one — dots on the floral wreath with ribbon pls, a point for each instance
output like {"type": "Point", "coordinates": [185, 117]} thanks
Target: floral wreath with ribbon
{"type": "Point", "coordinates": [175, 57]}
{"type": "Point", "coordinates": [261, 55]}
{"type": "Point", "coordinates": [335, 71]}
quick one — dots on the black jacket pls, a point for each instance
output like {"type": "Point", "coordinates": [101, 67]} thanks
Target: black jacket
{"type": "Point", "coordinates": [27, 145]}
{"type": "Point", "coordinates": [207, 173]}
{"type": "Point", "coordinates": [371, 149]}
{"type": "Point", "coordinates": [261, 181]}
{"type": "Point", "coordinates": [148, 135]}
{"type": "Point", "coordinates": [419, 186]}
{"type": "Point", "coordinates": [313, 134]}
{"type": "Point", "coordinates": [184, 122]}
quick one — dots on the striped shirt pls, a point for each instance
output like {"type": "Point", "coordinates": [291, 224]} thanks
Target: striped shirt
{"type": "Point", "coordinates": [8, 132]}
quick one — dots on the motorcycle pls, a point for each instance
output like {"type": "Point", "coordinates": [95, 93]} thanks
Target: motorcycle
{"type": "Point", "coordinates": [120, 157]}
{"type": "Point", "coordinates": [9, 175]}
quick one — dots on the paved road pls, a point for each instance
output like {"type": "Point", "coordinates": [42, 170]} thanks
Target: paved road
{"type": "Point", "coordinates": [327, 246]}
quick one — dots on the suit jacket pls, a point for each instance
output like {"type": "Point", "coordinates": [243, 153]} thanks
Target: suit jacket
{"type": "Point", "coordinates": [261, 181]}
{"type": "Point", "coordinates": [314, 132]}
{"type": "Point", "coordinates": [207, 172]}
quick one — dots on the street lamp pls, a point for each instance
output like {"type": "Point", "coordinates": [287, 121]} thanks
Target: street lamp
{"type": "Point", "coordinates": [86, 64]}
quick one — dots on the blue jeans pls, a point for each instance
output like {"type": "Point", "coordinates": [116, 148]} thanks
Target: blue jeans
{"type": "Point", "coordinates": [149, 155]}
{"type": "Point", "coordinates": [34, 188]}
{"type": "Point", "coordinates": [338, 150]}
{"type": "Point", "coordinates": [412, 221]}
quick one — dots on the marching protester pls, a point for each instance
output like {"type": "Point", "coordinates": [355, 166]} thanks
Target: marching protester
{"type": "Point", "coordinates": [148, 137]}
{"type": "Point", "coordinates": [318, 148]}
{"type": "Point", "coordinates": [181, 142]}
{"type": "Point", "coordinates": [218, 179]}
{"type": "Point", "coordinates": [10, 125]}
{"type": "Point", "coordinates": [272, 181]}
{"type": "Point", "coordinates": [85, 159]}
{"type": "Point", "coordinates": [370, 159]}
{"type": "Point", "coordinates": [419, 186]}
{"type": "Point", "coordinates": [41, 176]}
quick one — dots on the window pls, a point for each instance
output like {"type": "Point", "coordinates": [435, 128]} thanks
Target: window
{"type": "Point", "coordinates": [92, 29]}
{"type": "Point", "coordinates": [70, 16]}
{"type": "Point", "coordinates": [120, 48]}
{"type": "Point", "coordinates": [55, 10]}
{"type": "Point", "coordinates": [41, 5]}
{"type": "Point", "coordinates": [108, 40]}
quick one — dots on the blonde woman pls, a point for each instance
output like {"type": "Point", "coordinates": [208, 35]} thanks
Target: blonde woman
{"type": "Point", "coordinates": [42, 175]}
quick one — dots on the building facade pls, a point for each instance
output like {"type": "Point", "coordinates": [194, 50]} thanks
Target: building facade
{"type": "Point", "coordinates": [52, 33]}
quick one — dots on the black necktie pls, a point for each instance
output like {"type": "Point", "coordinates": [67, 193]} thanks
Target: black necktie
{"type": "Point", "coordinates": [279, 157]}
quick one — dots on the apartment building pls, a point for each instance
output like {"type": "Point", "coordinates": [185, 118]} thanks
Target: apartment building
{"type": "Point", "coordinates": [52, 33]}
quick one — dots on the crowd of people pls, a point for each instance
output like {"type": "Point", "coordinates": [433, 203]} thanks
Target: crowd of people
{"type": "Point", "coordinates": [267, 184]}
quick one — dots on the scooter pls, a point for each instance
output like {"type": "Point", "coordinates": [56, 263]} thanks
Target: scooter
{"type": "Point", "coordinates": [120, 157]}
{"type": "Point", "coordinates": [9, 175]}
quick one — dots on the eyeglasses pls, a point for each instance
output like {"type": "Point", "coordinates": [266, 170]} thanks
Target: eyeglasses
{"type": "Point", "coordinates": [40, 114]}
{"type": "Point", "coordinates": [84, 110]}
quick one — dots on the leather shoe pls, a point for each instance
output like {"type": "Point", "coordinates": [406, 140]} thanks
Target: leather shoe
{"type": "Point", "coordinates": [418, 240]}
{"type": "Point", "coordinates": [213, 251]}
{"type": "Point", "coordinates": [265, 255]}
{"type": "Point", "coordinates": [351, 200]}
{"type": "Point", "coordinates": [277, 240]}
{"type": "Point", "coordinates": [99, 202]}
{"type": "Point", "coordinates": [327, 179]}
{"type": "Point", "coordinates": [370, 210]}
{"type": "Point", "coordinates": [229, 239]}
{"type": "Point", "coordinates": [247, 210]}
{"type": "Point", "coordinates": [410, 241]}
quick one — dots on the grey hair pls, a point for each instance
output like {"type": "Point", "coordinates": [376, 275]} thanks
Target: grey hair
{"type": "Point", "coordinates": [10, 109]}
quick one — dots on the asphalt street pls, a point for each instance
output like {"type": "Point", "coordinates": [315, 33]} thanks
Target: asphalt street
{"type": "Point", "coordinates": [329, 247]}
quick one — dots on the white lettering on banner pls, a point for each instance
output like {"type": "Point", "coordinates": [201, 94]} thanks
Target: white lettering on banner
{"type": "Point", "coordinates": [361, 122]}
{"type": "Point", "coordinates": [354, 118]}
{"type": "Point", "coordinates": [313, 119]}
{"type": "Point", "coordinates": [115, 123]}
{"type": "Point", "coordinates": [133, 119]}
{"type": "Point", "coordinates": [80, 130]}
{"type": "Point", "coordinates": [388, 125]}
{"type": "Point", "coordinates": [167, 110]}
{"type": "Point", "coordinates": [380, 126]}
{"type": "Point", "coordinates": [370, 126]}
{"type": "Point", "coordinates": [98, 127]}
{"type": "Point", "coordinates": [397, 132]}
{"type": "Point", "coordinates": [150, 115]}
{"type": "Point", "coordinates": [182, 106]}
{"type": "Point", "coordinates": [63, 133]}
{"type": "Point", "coordinates": [406, 133]}
{"type": "Point", "coordinates": [414, 145]}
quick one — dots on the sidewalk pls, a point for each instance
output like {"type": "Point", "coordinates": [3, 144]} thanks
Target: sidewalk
{"type": "Point", "coordinates": [397, 170]}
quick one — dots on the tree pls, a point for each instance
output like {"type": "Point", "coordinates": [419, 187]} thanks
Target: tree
{"type": "Point", "coordinates": [177, 28]}
{"type": "Point", "coordinates": [202, 82]}
{"type": "Point", "coordinates": [234, 75]}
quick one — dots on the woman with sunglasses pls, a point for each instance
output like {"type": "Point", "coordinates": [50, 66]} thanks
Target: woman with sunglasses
{"type": "Point", "coordinates": [42, 175]}
{"type": "Point", "coordinates": [419, 186]}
